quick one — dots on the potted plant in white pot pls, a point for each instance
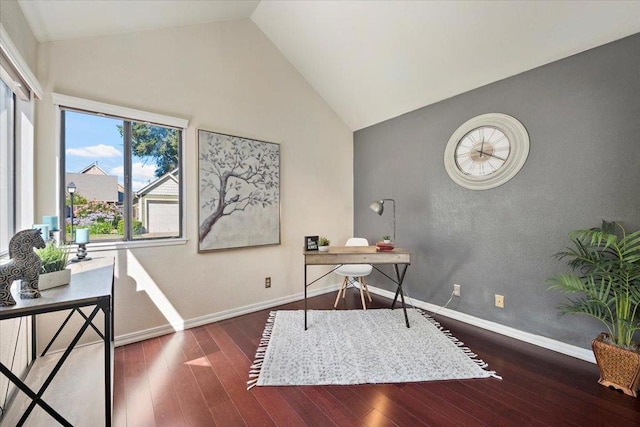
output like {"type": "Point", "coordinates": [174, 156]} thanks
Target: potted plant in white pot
{"type": "Point", "coordinates": [386, 239]}
{"type": "Point", "coordinates": [606, 272]}
{"type": "Point", "coordinates": [54, 271]}
{"type": "Point", "coordinates": [323, 244]}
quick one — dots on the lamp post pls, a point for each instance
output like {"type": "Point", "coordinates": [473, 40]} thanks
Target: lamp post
{"type": "Point", "coordinates": [71, 189]}
{"type": "Point", "coordinates": [378, 207]}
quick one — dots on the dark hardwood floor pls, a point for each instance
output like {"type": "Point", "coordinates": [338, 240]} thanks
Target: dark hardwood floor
{"type": "Point", "coordinates": [198, 378]}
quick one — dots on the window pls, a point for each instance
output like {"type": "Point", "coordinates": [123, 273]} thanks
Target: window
{"type": "Point", "coordinates": [7, 167]}
{"type": "Point", "coordinates": [18, 90]}
{"type": "Point", "coordinates": [125, 167]}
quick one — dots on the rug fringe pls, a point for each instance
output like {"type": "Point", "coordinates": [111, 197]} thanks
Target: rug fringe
{"type": "Point", "coordinates": [256, 367]}
{"type": "Point", "coordinates": [474, 357]}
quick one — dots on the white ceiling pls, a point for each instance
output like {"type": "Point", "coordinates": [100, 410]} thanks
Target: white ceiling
{"type": "Point", "coordinates": [374, 60]}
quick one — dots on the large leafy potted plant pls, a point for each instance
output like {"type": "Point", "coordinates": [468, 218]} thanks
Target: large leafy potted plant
{"type": "Point", "coordinates": [54, 271]}
{"type": "Point", "coordinates": [606, 274]}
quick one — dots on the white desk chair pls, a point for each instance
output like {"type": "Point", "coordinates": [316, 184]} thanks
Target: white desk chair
{"type": "Point", "coordinates": [354, 273]}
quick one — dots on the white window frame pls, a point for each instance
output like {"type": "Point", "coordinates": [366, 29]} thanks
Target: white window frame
{"type": "Point", "coordinates": [20, 79]}
{"type": "Point", "coordinates": [16, 74]}
{"type": "Point", "coordinates": [61, 102]}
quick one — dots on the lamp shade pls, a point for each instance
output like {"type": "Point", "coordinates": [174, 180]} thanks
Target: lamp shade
{"type": "Point", "coordinates": [377, 206]}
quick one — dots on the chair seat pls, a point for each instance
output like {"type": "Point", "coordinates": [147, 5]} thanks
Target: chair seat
{"type": "Point", "coordinates": [354, 270]}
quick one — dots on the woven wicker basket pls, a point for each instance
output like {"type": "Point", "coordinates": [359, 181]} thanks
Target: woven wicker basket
{"type": "Point", "coordinates": [619, 367]}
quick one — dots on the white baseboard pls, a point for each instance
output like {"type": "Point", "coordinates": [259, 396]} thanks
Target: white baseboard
{"type": "Point", "coordinates": [210, 318]}
{"type": "Point", "coordinates": [540, 341]}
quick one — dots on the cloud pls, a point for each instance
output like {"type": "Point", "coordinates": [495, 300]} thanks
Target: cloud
{"type": "Point", "coordinates": [95, 151]}
{"type": "Point", "coordinates": [136, 185]}
{"type": "Point", "coordinates": [143, 174]}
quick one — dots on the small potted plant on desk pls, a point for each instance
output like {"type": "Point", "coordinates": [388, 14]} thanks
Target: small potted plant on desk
{"type": "Point", "coordinates": [386, 239]}
{"type": "Point", "coordinates": [606, 271]}
{"type": "Point", "coordinates": [54, 271]}
{"type": "Point", "coordinates": [323, 244]}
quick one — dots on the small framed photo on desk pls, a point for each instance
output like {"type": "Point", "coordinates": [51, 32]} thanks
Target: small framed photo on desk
{"type": "Point", "coordinates": [311, 243]}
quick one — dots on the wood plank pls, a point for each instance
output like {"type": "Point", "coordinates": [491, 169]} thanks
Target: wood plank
{"type": "Point", "coordinates": [539, 387]}
{"type": "Point", "coordinates": [390, 407]}
{"type": "Point", "coordinates": [234, 379]}
{"type": "Point", "coordinates": [377, 419]}
{"type": "Point", "coordinates": [305, 407]}
{"type": "Point", "coordinates": [438, 409]}
{"type": "Point", "coordinates": [140, 411]}
{"type": "Point", "coordinates": [359, 406]}
{"type": "Point", "coordinates": [330, 406]}
{"type": "Point", "coordinates": [192, 403]}
{"type": "Point", "coordinates": [276, 406]}
{"type": "Point", "coordinates": [465, 402]}
{"type": "Point", "coordinates": [119, 389]}
{"type": "Point", "coordinates": [396, 256]}
{"type": "Point", "coordinates": [165, 401]}
{"type": "Point", "coordinates": [225, 413]}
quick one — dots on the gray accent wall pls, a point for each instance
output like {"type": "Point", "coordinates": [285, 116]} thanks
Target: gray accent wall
{"type": "Point", "coordinates": [582, 114]}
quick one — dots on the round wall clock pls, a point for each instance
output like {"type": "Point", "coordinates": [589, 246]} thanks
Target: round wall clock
{"type": "Point", "coordinates": [486, 151]}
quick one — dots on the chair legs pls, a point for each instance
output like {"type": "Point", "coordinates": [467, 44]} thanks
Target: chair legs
{"type": "Point", "coordinates": [363, 283]}
{"type": "Point", "coordinates": [364, 305]}
{"type": "Point", "coordinates": [363, 288]}
{"type": "Point", "coordinates": [343, 291]}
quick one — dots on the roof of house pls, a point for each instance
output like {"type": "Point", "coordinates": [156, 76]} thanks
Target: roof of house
{"type": "Point", "coordinates": [93, 169]}
{"type": "Point", "coordinates": [159, 183]}
{"type": "Point", "coordinates": [94, 187]}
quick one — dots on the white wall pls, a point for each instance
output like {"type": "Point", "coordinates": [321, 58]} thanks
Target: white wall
{"type": "Point", "coordinates": [224, 77]}
{"type": "Point", "coordinates": [14, 333]}
{"type": "Point", "coordinates": [16, 25]}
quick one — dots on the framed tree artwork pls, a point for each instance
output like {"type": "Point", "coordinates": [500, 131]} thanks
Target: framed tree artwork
{"type": "Point", "coordinates": [238, 192]}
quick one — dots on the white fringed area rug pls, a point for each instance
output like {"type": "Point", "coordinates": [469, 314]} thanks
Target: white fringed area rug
{"type": "Point", "coordinates": [360, 347]}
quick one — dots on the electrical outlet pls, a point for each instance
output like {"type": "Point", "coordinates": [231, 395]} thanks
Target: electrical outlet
{"type": "Point", "coordinates": [267, 282]}
{"type": "Point", "coordinates": [456, 290]}
{"type": "Point", "coordinates": [499, 301]}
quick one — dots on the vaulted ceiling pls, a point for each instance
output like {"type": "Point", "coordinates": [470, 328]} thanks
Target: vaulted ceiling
{"type": "Point", "coordinates": [373, 60]}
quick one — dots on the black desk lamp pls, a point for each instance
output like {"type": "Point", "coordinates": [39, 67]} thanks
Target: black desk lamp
{"type": "Point", "coordinates": [378, 207]}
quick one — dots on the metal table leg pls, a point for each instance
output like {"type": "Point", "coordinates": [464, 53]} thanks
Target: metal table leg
{"type": "Point", "coordinates": [400, 276]}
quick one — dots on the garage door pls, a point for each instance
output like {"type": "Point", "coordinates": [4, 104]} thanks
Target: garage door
{"type": "Point", "coordinates": [163, 217]}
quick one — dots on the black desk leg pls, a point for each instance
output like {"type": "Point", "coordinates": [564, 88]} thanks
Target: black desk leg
{"type": "Point", "coordinates": [34, 339]}
{"type": "Point", "coordinates": [108, 346]}
{"type": "Point", "coordinates": [399, 291]}
{"type": "Point", "coordinates": [305, 297]}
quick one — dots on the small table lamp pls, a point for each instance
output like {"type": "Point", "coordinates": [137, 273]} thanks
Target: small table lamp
{"type": "Point", "coordinates": [378, 207]}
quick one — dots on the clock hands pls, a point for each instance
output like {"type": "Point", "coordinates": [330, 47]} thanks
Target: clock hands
{"type": "Point", "coordinates": [481, 145]}
{"type": "Point", "coordinates": [489, 154]}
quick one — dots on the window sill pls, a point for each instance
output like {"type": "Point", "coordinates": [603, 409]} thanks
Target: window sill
{"type": "Point", "coordinates": [114, 246]}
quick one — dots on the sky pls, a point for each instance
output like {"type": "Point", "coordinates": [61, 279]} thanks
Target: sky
{"type": "Point", "coordinates": [95, 139]}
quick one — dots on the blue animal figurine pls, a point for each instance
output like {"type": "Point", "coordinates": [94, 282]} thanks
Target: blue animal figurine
{"type": "Point", "coordinates": [24, 264]}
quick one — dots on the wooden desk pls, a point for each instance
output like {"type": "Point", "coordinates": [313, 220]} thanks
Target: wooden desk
{"type": "Point", "coordinates": [91, 285]}
{"type": "Point", "coordinates": [341, 255]}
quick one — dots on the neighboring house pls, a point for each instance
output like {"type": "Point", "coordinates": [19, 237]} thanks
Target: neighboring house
{"type": "Point", "coordinates": [92, 186]}
{"type": "Point", "coordinates": [96, 188]}
{"type": "Point", "coordinates": [157, 205]}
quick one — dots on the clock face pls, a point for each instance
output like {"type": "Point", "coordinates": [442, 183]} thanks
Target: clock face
{"type": "Point", "coordinates": [482, 151]}
{"type": "Point", "coordinates": [486, 151]}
